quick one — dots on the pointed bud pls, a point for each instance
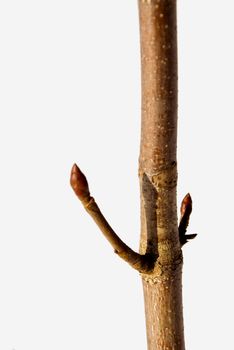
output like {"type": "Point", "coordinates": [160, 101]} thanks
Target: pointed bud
{"type": "Point", "coordinates": [186, 205]}
{"type": "Point", "coordinates": [79, 184]}
{"type": "Point", "coordinates": [185, 211]}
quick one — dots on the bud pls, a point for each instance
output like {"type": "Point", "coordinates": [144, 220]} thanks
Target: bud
{"type": "Point", "coordinates": [79, 184]}
{"type": "Point", "coordinates": [186, 205]}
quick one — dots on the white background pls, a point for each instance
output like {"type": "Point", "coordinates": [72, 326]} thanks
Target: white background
{"type": "Point", "coordinates": [70, 92]}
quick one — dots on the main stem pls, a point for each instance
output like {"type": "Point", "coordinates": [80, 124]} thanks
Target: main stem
{"type": "Point", "coordinates": [158, 175]}
{"type": "Point", "coordinates": [160, 258]}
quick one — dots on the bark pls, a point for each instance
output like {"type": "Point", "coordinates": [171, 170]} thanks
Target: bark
{"type": "Point", "coordinates": [158, 175]}
{"type": "Point", "coordinates": [160, 258]}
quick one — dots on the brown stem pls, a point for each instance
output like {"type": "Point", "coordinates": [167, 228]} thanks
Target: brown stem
{"type": "Point", "coordinates": [158, 174]}
{"type": "Point", "coordinates": [142, 263]}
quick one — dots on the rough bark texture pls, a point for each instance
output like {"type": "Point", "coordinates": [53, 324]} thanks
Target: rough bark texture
{"type": "Point", "coordinates": [158, 175]}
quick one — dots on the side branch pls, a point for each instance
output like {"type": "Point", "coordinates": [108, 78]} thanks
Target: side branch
{"type": "Point", "coordinates": [142, 263]}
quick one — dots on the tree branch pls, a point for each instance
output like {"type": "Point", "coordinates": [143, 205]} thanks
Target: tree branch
{"type": "Point", "coordinates": [142, 263]}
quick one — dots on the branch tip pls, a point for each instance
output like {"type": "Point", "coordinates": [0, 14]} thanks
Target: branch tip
{"type": "Point", "coordinates": [186, 205]}
{"type": "Point", "coordinates": [185, 211]}
{"type": "Point", "coordinates": [79, 184]}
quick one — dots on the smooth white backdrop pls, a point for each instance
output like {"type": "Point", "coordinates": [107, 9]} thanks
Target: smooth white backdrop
{"type": "Point", "coordinates": [70, 92]}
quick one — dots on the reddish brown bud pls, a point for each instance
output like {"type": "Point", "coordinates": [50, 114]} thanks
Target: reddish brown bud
{"type": "Point", "coordinates": [79, 184]}
{"type": "Point", "coordinates": [186, 205]}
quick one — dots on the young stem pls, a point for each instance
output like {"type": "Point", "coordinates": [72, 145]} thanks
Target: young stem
{"type": "Point", "coordinates": [142, 262]}
{"type": "Point", "coordinates": [158, 174]}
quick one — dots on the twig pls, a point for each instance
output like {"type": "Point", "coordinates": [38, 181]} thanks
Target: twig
{"type": "Point", "coordinates": [79, 183]}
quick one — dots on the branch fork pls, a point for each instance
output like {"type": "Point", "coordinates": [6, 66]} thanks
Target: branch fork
{"type": "Point", "coordinates": [142, 263]}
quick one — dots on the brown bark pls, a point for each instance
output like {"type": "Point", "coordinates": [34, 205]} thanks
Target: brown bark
{"type": "Point", "coordinates": [160, 259]}
{"type": "Point", "coordinates": [158, 174]}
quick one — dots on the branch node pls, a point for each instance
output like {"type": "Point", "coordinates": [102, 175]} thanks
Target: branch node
{"type": "Point", "coordinates": [79, 183]}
